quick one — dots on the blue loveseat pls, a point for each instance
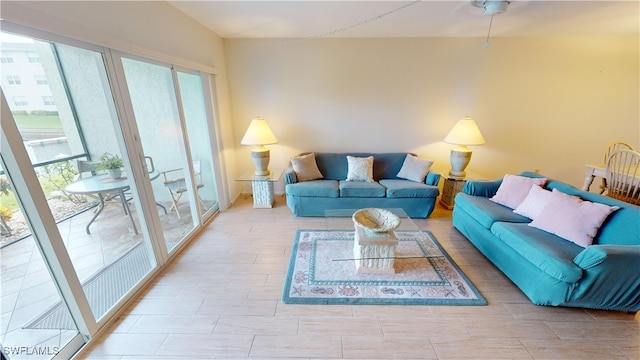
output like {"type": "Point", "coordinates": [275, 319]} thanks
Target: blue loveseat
{"type": "Point", "coordinates": [313, 197]}
{"type": "Point", "coordinates": [547, 268]}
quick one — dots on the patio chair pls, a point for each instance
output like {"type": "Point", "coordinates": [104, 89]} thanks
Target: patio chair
{"type": "Point", "coordinates": [623, 176]}
{"type": "Point", "coordinates": [176, 184]}
{"type": "Point", "coordinates": [151, 169]}
{"type": "Point", "coordinates": [89, 168]}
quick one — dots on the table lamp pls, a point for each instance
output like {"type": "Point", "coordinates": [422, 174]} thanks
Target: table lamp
{"type": "Point", "coordinates": [464, 132]}
{"type": "Point", "coordinates": [259, 134]}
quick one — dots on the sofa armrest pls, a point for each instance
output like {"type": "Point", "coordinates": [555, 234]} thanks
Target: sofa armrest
{"type": "Point", "coordinates": [485, 188]}
{"type": "Point", "coordinates": [623, 257]}
{"type": "Point", "coordinates": [433, 178]}
{"type": "Point", "coordinates": [290, 176]}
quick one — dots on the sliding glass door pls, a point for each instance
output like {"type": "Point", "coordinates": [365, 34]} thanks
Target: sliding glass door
{"type": "Point", "coordinates": [198, 129]}
{"type": "Point", "coordinates": [61, 105]}
{"type": "Point", "coordinates": [31, 301]}
{"type": "Point", "coordinates": [77, 241]}
{"type": "Point", "coordinates": [171, 119]}
{"type": "Point", "coordinates": [32, 282]}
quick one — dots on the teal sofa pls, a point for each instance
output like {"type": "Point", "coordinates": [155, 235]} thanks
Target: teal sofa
{"type": "Point", "coordinates": [548, 269]}
{"type": "Point", "coordinates": [314, 197]}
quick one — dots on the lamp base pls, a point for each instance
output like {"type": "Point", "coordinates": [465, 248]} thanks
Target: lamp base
{"type": "Point", "coordinates": [459, 158]}
{"type": "Point", "coordinates": [260, 157]}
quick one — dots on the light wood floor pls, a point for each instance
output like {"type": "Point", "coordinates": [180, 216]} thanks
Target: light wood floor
{"type": "Point", "coordinates": [221, 300]}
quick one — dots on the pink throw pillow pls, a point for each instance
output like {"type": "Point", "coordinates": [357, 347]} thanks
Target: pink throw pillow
{"type": "Point", "coordinates": [535, 201]}
{"type": "Point", "coordinates": [514, 189]}
{"type": "Point", "coordinates": [572, 219]}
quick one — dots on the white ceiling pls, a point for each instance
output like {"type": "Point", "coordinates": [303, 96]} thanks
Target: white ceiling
{"type": "Point", "coordinates": [427, 18]}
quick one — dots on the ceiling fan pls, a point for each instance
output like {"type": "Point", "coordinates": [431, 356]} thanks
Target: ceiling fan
{"type": "Point", "coordinates": [491, 7]}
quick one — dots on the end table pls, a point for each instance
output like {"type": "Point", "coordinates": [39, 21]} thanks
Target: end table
{"type": "Point", "coordinates": [262, 187]}
{"type": "Point", "coordinates": [451, 187]}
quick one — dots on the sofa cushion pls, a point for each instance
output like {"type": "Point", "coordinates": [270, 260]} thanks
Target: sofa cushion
{"type": "Point", "coordinates": [514, 189]}
{"type": "Point", "coordinates": [361, 189]}
{"type": "Point", "coordinates": [314, 188]}
{"type": "Point", "coordinates": [305, 167]}
{"type": "Point", "coordinates": [485, 211]}
{"type": "Point", "coordinates": [548, 252]}
{"type": "Point", "coordinates": [414, 168]}
{"type": "Point", "coordinates": [408, 189]}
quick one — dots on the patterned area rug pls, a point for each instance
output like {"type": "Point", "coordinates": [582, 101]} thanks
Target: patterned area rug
{"type": "Point", "coordinates": [322, 271]}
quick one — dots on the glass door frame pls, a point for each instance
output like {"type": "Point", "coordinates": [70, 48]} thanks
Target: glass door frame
{"type": "Point", "coordinates": [213, 131]}
{"type": "Point", "coordinates": [213, 126]}
{"type": "Point", "coordinates": [15, 160]}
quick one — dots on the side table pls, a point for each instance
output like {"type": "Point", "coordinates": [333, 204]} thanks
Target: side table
{"type": "Point", "coordinates": [262, 187]}
{"type": "Point", "coordinates": [451, 187]}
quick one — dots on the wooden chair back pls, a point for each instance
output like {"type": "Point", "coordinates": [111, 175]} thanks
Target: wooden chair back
{"type": "Point", "coordinates": [613, 147]}
{"type": "Point", "coordinates": [623, 176]}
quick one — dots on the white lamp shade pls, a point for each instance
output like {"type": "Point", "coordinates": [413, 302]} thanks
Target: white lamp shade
{"type": "Point", "coordinates": [259, 133]}
{"type": "Point", "coordinates": [465, 132]}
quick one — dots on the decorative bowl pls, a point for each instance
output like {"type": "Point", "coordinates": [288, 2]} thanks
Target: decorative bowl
{"type": "Point", "coordinates": [377, 220]}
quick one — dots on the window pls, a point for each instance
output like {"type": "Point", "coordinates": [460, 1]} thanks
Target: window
{"type": "Point", "coordinates": [41, 80]}
{"type": "Point", "coordinates": [6, 60]}
{"type": "Point", "coordinates": [33, 57]}
{"type": "Point", "coordinates": [48, 100]}
{"type": "Point", "coordinates": [14, 80]}
{"type": "Point", "coordinates": [20, 101]}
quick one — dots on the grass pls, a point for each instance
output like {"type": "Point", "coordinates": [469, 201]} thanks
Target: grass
{"type": "Point", "coordinates": [10, 202]}
{"type": "Point", "coordinates": [38, 121]}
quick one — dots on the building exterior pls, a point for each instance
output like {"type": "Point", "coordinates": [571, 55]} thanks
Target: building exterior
{"type": "Point", "coordinates": [23, 78]}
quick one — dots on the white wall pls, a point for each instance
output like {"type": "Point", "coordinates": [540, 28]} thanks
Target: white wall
{"type": "Point", "coordinates": [153, 29]}
{"type": "Point", "coordinates": [551, 104]}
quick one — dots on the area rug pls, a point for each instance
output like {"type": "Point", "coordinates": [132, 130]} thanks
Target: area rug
{"type": "Point", "coordinates": [322, 271]}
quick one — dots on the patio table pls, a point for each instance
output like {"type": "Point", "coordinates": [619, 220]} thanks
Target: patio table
{"type": "Point", "coordinates": [100, 185]}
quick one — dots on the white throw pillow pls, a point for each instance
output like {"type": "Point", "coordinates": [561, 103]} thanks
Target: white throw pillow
{"type": "Point", "coordinates": [535, 201]}
{"type": "Point", "coordinates": [414, 168]}
{"type": "Point", "coordinates": [572, 219]}
{"type": "Point", "coordinates": [360, 169]}
{"type": "Point", "coordinates": [305, 167]}
{"type": "Point", "coordinates": [514, 188]}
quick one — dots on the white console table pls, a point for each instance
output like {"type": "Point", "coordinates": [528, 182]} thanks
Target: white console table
{"type": "Point", "coordinates": [262, 187]}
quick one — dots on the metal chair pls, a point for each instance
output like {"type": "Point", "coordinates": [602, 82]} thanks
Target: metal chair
{"type": "Point", "coordinates": [176, 184]}
{"type": "Point", "coordinates": [90, 167]}
{"type": "Point", "coordinates": [623, 176]}
{"type": "Point", "coordinates": [87, 167]}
